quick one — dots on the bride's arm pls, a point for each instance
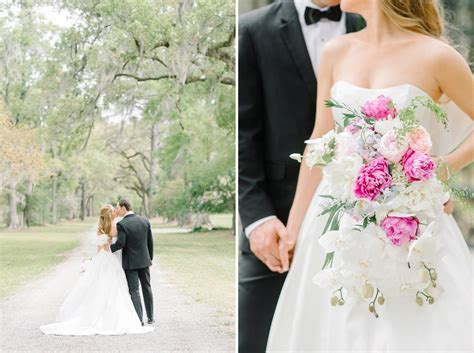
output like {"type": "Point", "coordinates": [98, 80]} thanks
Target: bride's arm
{"type": "Point", "coordinates": [113, 231]}
{"type": "Point", "coordinates": [308, 180]}
{"type": "Point", "coordinates": [455, 79]}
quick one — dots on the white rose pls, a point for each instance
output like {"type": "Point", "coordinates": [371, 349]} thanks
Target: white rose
{"type": "Point", "coordinates": [384, 126]}
{"type": "Point", "coordinates": [340, 174]}
{"type": "Point", "coordinates": [424, 198]}
{"type": "Point", "coordinates": [345, 144]}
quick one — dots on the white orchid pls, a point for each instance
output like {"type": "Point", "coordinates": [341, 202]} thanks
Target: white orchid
{"type": "Point", "coordinates": [318, 149]}
{"type": "Point", "coordinates": [365, 256]}
{"type": "Point", "coordinates": [328, 278]}
{"type": "Point", "coordinates": [401, 281]}
{"type": "Point", "coordinates": [426, 248]}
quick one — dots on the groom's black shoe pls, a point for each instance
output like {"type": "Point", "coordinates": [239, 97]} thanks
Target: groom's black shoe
{"type": "Point", "coordinates": [151, 321]}
{"type": "Point", "coordinates": [143, 324]}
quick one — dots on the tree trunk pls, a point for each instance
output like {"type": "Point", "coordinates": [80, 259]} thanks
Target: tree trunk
{"type": "Point", "coordinates": [27, 208]}
{"type": "Point", "coordinates": [202, 220]}
{"type": "Point", "coordinates": [184, 220]}
{"type": "Point", "coordinates": [54, 191]}
{"type": "Point", "coordinates": [153, 164]}
{"type": "Point", "coordinates": [234, 220]}
{"type": "Point", "coordinates": [91, 206]}
{"type": "Point", "coordinates": [146, 205]}
{"type": "Point", "coordinates": [14, 221]}
{"type": "Point", "coordinates": [83, 200]}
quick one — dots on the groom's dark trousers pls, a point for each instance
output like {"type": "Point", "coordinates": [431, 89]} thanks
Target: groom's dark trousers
{"type": "Point", "coordinates": [142, 276]}
{"type": "Point", "coordinates": [135, 239]}
{"type": "Point", "coordinates": [277, 104]}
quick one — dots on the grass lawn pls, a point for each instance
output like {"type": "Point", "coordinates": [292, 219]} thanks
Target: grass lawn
{"type": "Point", "coordinates": [24, 254]}
{"type": "Point", "coordinates": [202, 264]}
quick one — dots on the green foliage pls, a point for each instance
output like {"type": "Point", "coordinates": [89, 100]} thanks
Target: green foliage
{"type": "Point", "coordinates": [133, 98]}
{"type": "Point", "coordinates": [408, 114]}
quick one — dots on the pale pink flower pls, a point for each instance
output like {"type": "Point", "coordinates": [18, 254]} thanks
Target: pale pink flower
{"type": "Point", "coordinates": [391, 147]}
{"type": "Point", "coordinates": [419, 140]}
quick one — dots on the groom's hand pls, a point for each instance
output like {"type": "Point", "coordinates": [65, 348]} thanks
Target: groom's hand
{"type": "Point", "coordinates": [264, 243]}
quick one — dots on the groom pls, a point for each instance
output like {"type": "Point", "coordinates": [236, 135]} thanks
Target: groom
{"type": "Point", "coordinates": [135, 238]}
{"type": "Point", "coordinates": [279, 48]}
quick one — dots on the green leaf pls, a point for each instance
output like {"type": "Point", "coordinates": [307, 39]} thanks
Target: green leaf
{"type": "Point", "coordinates": [328, 259]}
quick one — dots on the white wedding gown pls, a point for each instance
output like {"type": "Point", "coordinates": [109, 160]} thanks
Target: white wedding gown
{"type": "Point", "coordinates": [99, 303]}
{"type": "Point", "coordinates": [305, 321]}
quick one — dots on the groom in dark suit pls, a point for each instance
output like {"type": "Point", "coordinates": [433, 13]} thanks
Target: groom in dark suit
{"type": "Point", "coordinates": [135, 238]}
{"type": "Point", "coordinates": [279, 48]}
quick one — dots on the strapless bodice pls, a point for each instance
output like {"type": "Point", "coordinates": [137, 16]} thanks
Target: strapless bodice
{"type": "Point", "coordinates": [444, 140]}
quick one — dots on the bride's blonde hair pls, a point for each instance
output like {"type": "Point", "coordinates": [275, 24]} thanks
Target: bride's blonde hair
{"type": "Point", "coordinates": [105, 220]}
{"type": "Point", "coordinates": [421, 16]}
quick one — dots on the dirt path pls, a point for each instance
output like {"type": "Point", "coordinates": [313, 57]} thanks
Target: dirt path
{"type": "Point", "coordinates": [182, 325]}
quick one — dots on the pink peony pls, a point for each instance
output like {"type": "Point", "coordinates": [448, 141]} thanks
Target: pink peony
{"type": "Point", "coordinates": [400, 230]}
{"type": "Point", "coordinates": [391, 147]}
{"type": "Point", "coordinates": [380, 109]}
{"type": "Point", "coordinates": [418, 166]}
{"type": "Point", "coordinates": [419, 140]}
{"type": "Point", "coordinates": [372, 179]}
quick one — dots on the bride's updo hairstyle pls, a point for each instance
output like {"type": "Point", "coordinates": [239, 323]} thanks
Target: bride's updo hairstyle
{"type": "Point", "coordinates": [421, 16]}
{"type": "Point", "coordinates": [105, 220]}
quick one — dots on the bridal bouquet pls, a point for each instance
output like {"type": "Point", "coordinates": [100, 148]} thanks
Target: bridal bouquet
{"type": "Point", "coordinates": [381, 197]}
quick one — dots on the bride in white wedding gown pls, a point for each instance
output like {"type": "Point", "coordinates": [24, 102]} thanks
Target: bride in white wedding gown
{"type": "Point", "coordinates": [99, 303]}
{"type": "Point", "coordinates": [400, 56]}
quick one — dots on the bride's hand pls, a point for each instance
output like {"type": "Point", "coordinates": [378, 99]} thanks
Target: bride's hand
{"type": "Point", "coordinates": [264, 242]}
{"type": "Point", "coordinates": [287, 245]}
{"type": "Point", "coordinates": [449, 206]}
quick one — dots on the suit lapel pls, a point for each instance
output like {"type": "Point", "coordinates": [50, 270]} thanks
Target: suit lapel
{"type": "Point", "coordinates": [294, 40]}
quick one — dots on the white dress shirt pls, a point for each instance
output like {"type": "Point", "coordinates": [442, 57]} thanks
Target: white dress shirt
{"type": "Point", "coordinates": [318, 34]}
{"type": "Point", "coordinates": [315, 37]}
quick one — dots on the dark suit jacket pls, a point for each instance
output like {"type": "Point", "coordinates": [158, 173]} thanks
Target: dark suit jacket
{"type": "Point", "coordinates": [135, 238]}
{"type": "Point", "coordinates": [277, 105]}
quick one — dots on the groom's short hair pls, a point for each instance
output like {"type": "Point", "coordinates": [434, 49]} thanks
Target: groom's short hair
{"type": "Point", "coordinates": [125, 203]}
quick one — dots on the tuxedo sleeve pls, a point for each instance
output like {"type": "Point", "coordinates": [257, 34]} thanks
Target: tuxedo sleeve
{"type": "Point", "coordinates": [254, 202]}
{"type": "Point", "coordinates": [121, 239]}
{"type": "Point", "coordinates": [150, 241]}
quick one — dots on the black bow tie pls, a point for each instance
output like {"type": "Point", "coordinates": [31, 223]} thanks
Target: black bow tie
{"type": "Point", "coordinates": [312, 15]}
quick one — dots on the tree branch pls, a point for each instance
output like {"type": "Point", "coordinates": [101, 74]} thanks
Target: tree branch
{"type": "Point", "coordinates": [141, 79]}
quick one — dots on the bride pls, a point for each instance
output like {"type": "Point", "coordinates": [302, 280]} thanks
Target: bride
{"type": "Point", "coordinates": [402, 53]}
{"type": "Point", "coordinates": [99, 303]}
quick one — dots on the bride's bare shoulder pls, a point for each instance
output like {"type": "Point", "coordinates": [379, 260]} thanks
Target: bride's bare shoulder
{"type": "Point", "coordinates": [436, 49]}
{"type": "Point", "coordinates": [445, 54]}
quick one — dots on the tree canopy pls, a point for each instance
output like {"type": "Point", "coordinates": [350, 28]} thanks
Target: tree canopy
{"type": "Point", "coordinates": [108, 99]}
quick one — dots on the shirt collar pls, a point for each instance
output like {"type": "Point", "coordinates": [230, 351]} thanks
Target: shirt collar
{"type": "Point", "coordinates": [128, 213]}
